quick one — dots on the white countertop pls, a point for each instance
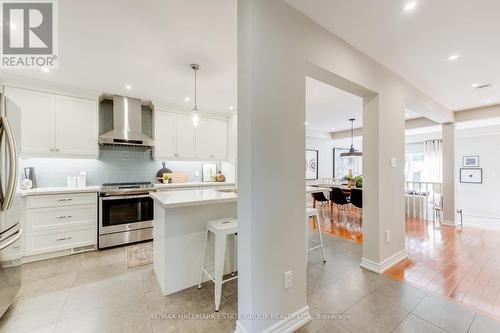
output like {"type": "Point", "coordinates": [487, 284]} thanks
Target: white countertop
{"type": "Point", "coordinates": [191, 184]}
{"type": "Point", "coordinates": [192, 198]}
{"type": "Point", "coordinates": [59, 190]}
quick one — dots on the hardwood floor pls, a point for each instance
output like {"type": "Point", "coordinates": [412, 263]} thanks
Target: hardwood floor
{"type": "Point", "coordinates": [460, 263]}
{"type": "Point", "coordinates": [341, 223]}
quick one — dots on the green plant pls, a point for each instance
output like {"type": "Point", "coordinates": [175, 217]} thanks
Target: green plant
{"type": "Point", "coordinates": [358, 180]}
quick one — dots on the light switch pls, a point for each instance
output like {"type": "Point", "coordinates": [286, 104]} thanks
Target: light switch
{"type": "Point", "coordinates": [394, 162]}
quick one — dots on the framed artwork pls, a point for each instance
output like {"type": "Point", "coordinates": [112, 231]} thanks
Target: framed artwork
{"type": "Point", "coordinates": [209, 171]}
{"type": "Point", "coordinates": [341, 165]}
{"type": "Point", "coordinates": [311, 164]}
{"type": "Point", "coordinates": [471, 175]}
{"type": "Point", "coordinates": [470, 161]}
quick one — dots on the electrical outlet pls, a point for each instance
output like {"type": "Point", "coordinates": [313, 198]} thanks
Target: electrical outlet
{"type": "Point", "coordinates": [394, 162]}
{"type": "Point", "coordinates": [387, 236]}
{"type": "Point", "coordinates": [288, 280]}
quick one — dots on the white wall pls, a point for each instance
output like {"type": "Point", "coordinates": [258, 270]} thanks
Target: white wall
{"type": "Point", "coordinates": [480, 202]}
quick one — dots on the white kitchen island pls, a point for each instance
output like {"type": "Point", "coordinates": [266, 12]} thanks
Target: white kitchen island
{"type": "Point", "coordinates": [180, 222]}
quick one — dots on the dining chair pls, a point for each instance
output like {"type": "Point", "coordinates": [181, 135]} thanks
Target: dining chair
{"type": "Point", "coordinates": [320, 198]}
{"type": "Point", "coordinates": [356, 200]}
{"type": "Point", "coordinates": [338, 198]}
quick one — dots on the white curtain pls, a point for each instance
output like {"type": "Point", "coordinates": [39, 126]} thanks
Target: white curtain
{"type": "Point", "coordinates": [433, 161]}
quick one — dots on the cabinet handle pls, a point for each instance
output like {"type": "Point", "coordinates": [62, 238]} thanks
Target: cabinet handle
{"type": "Point", "coordinates": [54, 149]}
{"type": "Point", "coordinates": [65, 217]}
{"type": "Point", "coordinates": [63, 239]}
{"type": "Point", "coordinates": [212, 156]}
{"type": "Point", "coordinates": [67, 199]}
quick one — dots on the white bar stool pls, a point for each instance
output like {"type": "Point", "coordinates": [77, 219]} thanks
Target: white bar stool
{"type": "Point", "coordinates": [221, 229]}
{"type": "Point", "coordinates": [313, 212]}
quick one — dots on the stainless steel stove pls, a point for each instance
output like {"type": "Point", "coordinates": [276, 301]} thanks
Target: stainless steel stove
{"type": "Point", "coordinates": [125, 213]}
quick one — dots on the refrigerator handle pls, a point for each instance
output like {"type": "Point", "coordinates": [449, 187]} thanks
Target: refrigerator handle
{"type": "Point", "coordinates": [13, 161]}
{"type": "Point", "coordinates": [12, 241]}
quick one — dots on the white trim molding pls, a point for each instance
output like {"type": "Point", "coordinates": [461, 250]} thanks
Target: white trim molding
{"type": "Point", "coordinates": [385, 264]}
{"type": "Point", "coordinates": [290, 324]}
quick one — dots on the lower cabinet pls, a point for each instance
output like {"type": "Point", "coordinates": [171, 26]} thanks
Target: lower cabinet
{"type": "Point", "coordinates": [71, 224]}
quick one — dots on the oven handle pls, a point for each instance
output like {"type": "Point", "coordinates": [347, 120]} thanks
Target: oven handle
{"type": "Point", "coordinates": [118, 197]}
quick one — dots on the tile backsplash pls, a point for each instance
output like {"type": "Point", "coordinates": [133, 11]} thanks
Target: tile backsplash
{"type": "Point", "coordinates": [114, 164]}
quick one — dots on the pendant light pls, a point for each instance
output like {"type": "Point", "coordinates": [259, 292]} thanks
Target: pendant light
{"type": "Point", "coordinates": [195, 116]}
{"type": "Point", "coordinates": [352, 152]}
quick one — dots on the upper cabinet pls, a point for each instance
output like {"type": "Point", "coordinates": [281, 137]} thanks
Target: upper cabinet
{"type": "Point", "coordinates": [54, 125]}
{"type": "Point", "coordinates": [177, 139]}
{"type": "Point", "coordinates": [211, 139]}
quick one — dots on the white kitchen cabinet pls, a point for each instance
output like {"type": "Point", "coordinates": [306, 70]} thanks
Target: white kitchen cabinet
{"type": "Point", "coordinates": [37, 111]}
{"type": "Point", "coordinates": [211, 139]}
{"type": "Point", "coordinates": [186, 137]}
{"type": "Point", "coordinates": [76, 126]}
{"type": "Point", "coordinates": [59, 222]}
{"type": "Point", "coordinates": [54, 125]}
{"type": "Point", "coordinates": [175, 136]}
{"type": "Point", "coordinates": [165, 135]}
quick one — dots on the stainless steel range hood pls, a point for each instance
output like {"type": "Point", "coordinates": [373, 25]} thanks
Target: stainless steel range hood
{"type": "Point", "coordinates": [127, 124]}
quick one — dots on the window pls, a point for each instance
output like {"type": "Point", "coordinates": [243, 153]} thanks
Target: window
{"type": "Point", "coordinates": [414, 167]}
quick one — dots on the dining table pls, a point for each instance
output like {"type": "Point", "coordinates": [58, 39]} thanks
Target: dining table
{"type": "Point", "coordinates": [345, 189]}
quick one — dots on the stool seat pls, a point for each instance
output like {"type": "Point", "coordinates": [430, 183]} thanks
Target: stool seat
{"type": "Point", "coordinates": [227, 226]}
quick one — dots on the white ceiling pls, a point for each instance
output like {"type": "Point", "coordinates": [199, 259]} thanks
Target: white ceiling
{"type": "Point", "coordinates": [416, 44]}
{"type": "Point", "coordinates": [329, 109]}
{"type": "Point", "coordinates": [106, 45]}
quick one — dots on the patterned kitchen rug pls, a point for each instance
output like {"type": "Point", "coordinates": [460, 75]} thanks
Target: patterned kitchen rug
{"type": "Point", "coordinates": [139, 254]}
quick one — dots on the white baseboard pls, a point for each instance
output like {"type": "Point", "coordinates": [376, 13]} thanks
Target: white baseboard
{"type": "Point", "coordinates": [296, 320]}
{"type": "Point", "coordinates": [385, 264]}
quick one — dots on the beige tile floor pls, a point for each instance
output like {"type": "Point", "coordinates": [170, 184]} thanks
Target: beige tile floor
{"type": "Point", "coordinates": [95, 292]}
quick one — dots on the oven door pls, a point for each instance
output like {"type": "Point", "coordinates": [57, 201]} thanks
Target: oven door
{"type": "Point", "coordinates": [124, 213]}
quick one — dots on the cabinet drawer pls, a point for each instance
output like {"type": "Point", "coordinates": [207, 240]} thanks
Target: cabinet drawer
{"type": "Point", "coordinates": [58, 200]}
{"type": "Point", "coordinates": [61, 216]}
{"type": "Point", "coordinates": [62, 240]}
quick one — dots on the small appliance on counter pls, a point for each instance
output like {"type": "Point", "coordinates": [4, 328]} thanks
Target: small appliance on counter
{"type": "Point", "coordinates": [29, 173]}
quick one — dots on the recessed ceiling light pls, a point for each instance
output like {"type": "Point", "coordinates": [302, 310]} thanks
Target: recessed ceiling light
{"type": "Point", "coordinates": [128, 87]}
{"type": "Point", "coordinates": [333, 128]}
{"type": "Point", "coordinates": [186, 99]}
{"type": "Point", "coordinates": [45, 69]}
{"type": "Point", "coordinates": [410, 6]}
{"type": "Point", "coordinates": [306, 123]}
{"type": "Point", "coordinates": [474, 85]}
{"type": "Point", "coordinates": [231, 107]}
{"type": "Point", "coordinates": [488, 101]}
{"type": "Point", "coordinates": [453, 57]}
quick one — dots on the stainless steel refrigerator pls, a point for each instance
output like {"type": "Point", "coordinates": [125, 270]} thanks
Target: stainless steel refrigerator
{"type": "Point", "coordinates": [10, 205]}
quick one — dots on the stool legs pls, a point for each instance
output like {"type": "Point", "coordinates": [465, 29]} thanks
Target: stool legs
{"type": "Point", "coordinates": [318, 228]}
{"type": "Point", "coordinates": [220, 254]}
{"type": "Point", "coordinates": [205, 243]}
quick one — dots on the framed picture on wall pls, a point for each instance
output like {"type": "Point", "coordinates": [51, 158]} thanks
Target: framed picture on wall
{"type": "Point", "coordinates": [470, 161]}
{"type": "Point", "coordinates": [311, 164]}
{"type": "Point", "coordinates": [471, 175]}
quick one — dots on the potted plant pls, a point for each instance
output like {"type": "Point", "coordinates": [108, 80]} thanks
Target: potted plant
{"type": "Point", "coordinates": [358, 181]}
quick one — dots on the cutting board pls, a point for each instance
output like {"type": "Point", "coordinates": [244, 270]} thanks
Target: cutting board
{"type": "Point", "coordinates": [178, 177]}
